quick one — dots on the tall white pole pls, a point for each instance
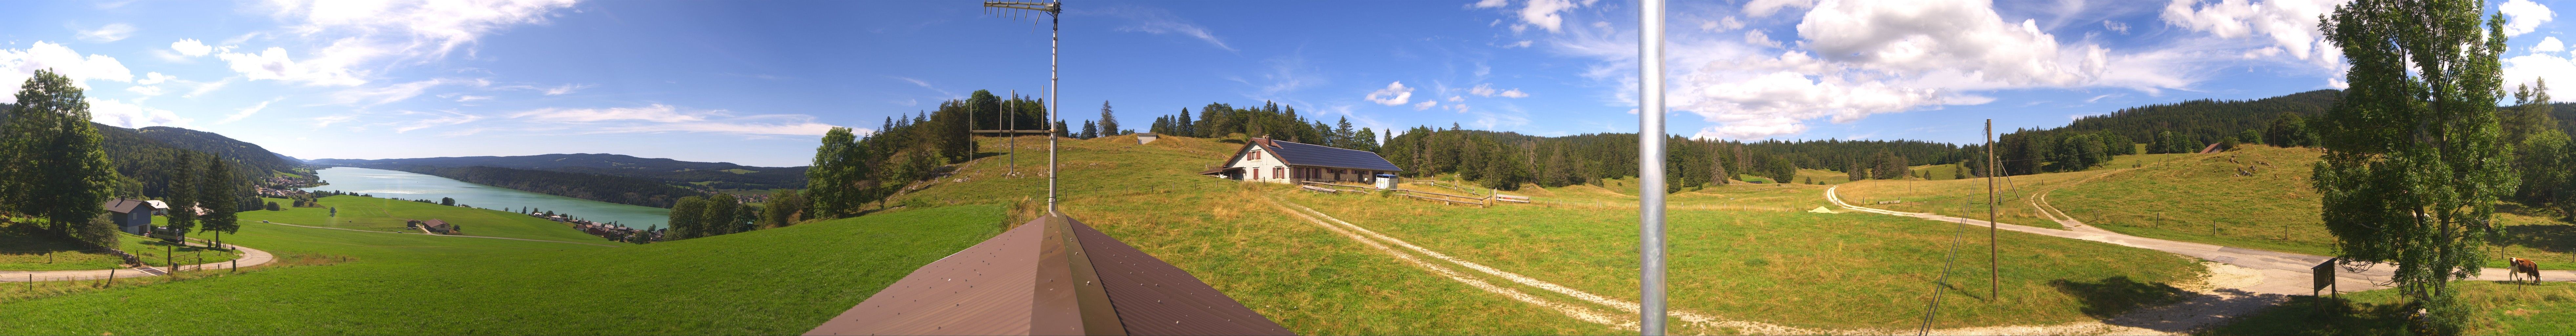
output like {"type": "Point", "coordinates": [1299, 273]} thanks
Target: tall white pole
{"type": "Point", "coordinates": [1650, 167]}
{"type": "Point", "coordinates": [1055, 30]}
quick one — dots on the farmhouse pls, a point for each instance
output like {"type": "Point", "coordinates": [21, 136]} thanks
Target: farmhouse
{"type": "Point", "coordinates": [1276, 161]}
{"type": "Point", "coordinates": [131, 216]}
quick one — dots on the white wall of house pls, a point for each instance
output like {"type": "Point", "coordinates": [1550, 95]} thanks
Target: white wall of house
{"type": "Point", "coordinates": [1259, 165]}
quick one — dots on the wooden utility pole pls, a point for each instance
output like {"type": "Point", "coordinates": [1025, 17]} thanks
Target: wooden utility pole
{"type": "Point", "coordinates": [1994, 268]}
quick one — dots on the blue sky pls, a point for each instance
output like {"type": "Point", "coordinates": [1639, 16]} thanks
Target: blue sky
{"type": "Point", "coordinates": [757, 82]}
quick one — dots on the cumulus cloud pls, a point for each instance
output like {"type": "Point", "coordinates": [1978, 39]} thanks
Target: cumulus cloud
{"type": "Point", "coordinates": [1162, 22]}
{"type": "Point", "coordinates": [1425, 105]}
{"type": "Point", "coordinates": [2549, 44]}
{"type": "Point", "coordinates": [246, 112]}
{"type": "Point", "coordinates": [1394, 94]}
{"type": "Point", "coordinates": [144, 90]}
{"type": "Point", "coordinates": [2524, 16]}
{"type": "Point", "coordinates": [2289, 24]}
{"type": "Point", "coordinates": [151, 78]}
{"type": "Point", "coordinates": [1756, 37]}
{"type": "Point", "coordinates": [1761, 8]}
{"type": "Point", "coordinates": [128, 115]}
{"type": "Point", "coordinates": [191, 48]}
{"type": "Point", "coordinates": [1487, 90]}
{"type": "Point", "coordinates": [1512, 93]}
{"type": "Point", "coordinates": [2527, 69]}
{"type": "Point", "coordinates": [18, 64]}
{"type": "Point", "coordinates": [108, 33]}
{"type": "Point", "coordinates": [274, 64]}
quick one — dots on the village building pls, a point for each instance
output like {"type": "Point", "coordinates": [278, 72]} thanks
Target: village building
{"type": "Point", "coordinates": [131, 216]}
{"type": "Point", "coordinates": [1278, 161]}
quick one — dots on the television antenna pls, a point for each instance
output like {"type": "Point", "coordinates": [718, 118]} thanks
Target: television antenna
{"type": "Point", "coordinates": [1055, 30]}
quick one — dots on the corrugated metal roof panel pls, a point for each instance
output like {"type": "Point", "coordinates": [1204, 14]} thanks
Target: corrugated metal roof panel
{"type": "Point", "coordinates": [983, 290]}
{"type": "Point", "coordinates": [1314, 155]}
{"type": "Point", "coordinates": [1156, 298]}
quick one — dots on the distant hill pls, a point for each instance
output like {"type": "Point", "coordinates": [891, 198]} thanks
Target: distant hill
{"type": "Point", "coordinates": [719, 175]}
{"type": "Point", "coordinates": [249, 154]}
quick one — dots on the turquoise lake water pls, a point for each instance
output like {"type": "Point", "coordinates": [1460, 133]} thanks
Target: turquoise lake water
{"type": "Point", "coordinates": [407, 185]}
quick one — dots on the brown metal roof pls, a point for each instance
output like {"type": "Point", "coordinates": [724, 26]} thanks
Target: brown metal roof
{"type": "Point", "coordinates": [125, 205]}
{"type": "Point", "coordinates": [1050, 276]}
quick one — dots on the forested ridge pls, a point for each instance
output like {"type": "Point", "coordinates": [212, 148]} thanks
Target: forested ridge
{"type": "Point", "coordinates": [143, 158]}
{"type": "Point", "coordinates": [596, 187]}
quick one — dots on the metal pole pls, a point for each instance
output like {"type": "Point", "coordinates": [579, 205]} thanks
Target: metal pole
{"type": "Point", "coordinates": [1650, 167]}
{"type": "Point", "coordinates": [1054, 32]}
{"type": "Point", "coordinates": [1014, 129]}
{"type": "Point", "coordinates": [1994, 268]}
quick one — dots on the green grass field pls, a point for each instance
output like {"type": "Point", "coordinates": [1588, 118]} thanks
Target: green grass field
{"type": "Point", "coordinates": [1752, 244]}
{"type": "Point", "coordinates": [2258, 197]}
{"type": "Point", "coordinates": [2505, 309]}
{"type": "Point", "coordinates": [23, 248]}
{"type": "Point", "coordinates": [778, 281]}
{"type": "Point", "coordinates": [378, 214]}
{"type": "Point", "coordinates": [1759, 261]}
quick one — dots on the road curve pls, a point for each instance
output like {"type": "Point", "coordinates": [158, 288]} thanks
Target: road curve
{"type": "Point", "coordinates": [250, 257]}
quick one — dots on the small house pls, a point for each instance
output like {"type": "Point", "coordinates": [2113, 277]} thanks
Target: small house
{"type": "Point", "coordinates": [1277, 161]}
{"type": "Point", "coordinates": [131, 216]}
{"type": "Point", "coordinates": [159, 208]}
{"type": "Point", "coordinates": [437, 226]}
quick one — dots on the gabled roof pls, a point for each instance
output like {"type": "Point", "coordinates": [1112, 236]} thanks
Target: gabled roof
{"type": "Point", "coordinates": [158, 205]}
{"type": "Point", "coordinates": [1298, 154]}
{"type": "Point", "coordinates": [1026, 282]}
{"type": "Point", "coordinates": [126, 205]}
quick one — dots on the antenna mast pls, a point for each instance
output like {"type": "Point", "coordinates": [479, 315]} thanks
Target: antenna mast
{"type": "Point", "coordinates": [1055, 30]}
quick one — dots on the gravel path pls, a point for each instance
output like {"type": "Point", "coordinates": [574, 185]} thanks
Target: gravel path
{"type": "Point", "coordinates": [250, 257]}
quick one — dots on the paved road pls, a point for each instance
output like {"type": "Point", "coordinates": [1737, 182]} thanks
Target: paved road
{"type": "Point", "coordinates": [2283, 273]}
{"type": "Point", "coordinates": [250, 257]}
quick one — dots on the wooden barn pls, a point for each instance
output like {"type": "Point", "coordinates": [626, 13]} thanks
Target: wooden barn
{"type": "Point", "coordinates": [1277, 161]}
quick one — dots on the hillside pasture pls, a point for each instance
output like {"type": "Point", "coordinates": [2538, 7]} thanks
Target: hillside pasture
{"type": "Point", "coordinates": [387, 215]}
{"type": "Point", "coordinates": [2502, 309]}
{"type": "Point", "coordinates": [777, 281]}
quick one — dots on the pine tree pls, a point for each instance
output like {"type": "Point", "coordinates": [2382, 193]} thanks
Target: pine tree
{"type": "Point", "coordinates": [181, 194]}
{"type": "Point", "coordinates": [1089, 130]}
{"type": "Point", "coordinates": [2414, 164]}
{"type": "Point", "coordinates": [221, 191]}
{"type": "Point", "coordinates": [1108, 121]}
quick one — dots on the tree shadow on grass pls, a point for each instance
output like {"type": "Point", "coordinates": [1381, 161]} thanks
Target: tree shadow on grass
{"type": "Point", "coordinates": [2302, 316]}
{"type": "Point", "coordinates": [2112, 296]}
{"type": "Point", "coordinates": [27, 237]}
{"type": "Point", "coordinates": [2545, 237]}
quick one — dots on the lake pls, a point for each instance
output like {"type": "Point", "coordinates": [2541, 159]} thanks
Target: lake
{"type": "Point", "coordinates": [408, 185]}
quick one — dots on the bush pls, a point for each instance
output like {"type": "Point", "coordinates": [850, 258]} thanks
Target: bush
{"type": "Point", "coordinates": [99, 230]}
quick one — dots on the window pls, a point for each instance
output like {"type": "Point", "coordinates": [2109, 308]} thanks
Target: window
{"type": "Point", "coordinates": [1256, 174]}
{"type": "Point", "coordinates": [1276, 172]}
{"type": "Point", "coordinates": [1255, 156]}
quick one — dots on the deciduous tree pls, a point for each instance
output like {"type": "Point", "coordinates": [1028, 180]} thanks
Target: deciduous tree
{"type": "Point", "coordinates": [2414, 163]}
{"type": "Point", "coordinates": [51, 163]}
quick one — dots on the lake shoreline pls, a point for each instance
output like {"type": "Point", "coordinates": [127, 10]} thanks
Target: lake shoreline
{"type": "Point", "coordinates": [395, 184]}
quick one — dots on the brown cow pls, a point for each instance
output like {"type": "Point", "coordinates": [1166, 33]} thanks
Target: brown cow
{"type": "Point", "coordinates": [2524, 267]}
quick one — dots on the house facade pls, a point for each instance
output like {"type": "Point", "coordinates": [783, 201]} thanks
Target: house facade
{"type": "Point", "coordinates": [131, 216]}
{"type": "Point", "coordinates": [1280, 161]}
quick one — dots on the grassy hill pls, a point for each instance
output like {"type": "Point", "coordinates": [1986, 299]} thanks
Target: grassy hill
{"type": "Point", "coordinates": [2258, 197]}
{"type": "Point", "coordinates": [378, 214]}
{"type": "Point", "coordinates": [777, 281]}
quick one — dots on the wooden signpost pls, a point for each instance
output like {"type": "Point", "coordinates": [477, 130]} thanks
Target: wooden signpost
{"type": "Point", "coordinates": [2324, 281]}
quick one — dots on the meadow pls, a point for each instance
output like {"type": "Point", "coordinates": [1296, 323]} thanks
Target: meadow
{"type": "Point", "coordinates": [777, 281]}
{"type": "Point", "coordinates": [1749, 244]}
{"type": "Point", "coordinates": [387, 215]}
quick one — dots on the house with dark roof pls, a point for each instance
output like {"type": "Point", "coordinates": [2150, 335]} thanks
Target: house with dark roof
{"type": "Point", "coordinates": [131, 216]}
{"type": "Point", "coordinates": [1278, 161]}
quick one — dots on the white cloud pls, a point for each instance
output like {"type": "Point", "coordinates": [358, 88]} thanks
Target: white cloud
{"type": "Point", "coordinates": [472, 98]}
{"type": "Point", "coordinates": [121, 114]}
{"type": "Point", "coordinates": [926, 85]}
{"type": "Point", "coordinates": [203, 88]}
{"type": "Point", "coordinates": [151, 78]}
{"type": "Point", "coordinates": [567, 89]}
{"type": "Point", "coordinates": [652, 113]}
{"type": "Point", "coordinates": [1756, 37]}
{"type": "Point", "coordinates": [2116, 26]}
{"type": "Point", "coordinates": [1543, 13]}
{"type": "Point", "coordinates": [1761, 8]}
{"type": "Point", "coordinates": [804, 127]}
{"type": "Point", "coordinates": [361, 34]}
{"type": "Point", "coordinates": [1425, 105]}
{"type": "Point", "coordinates": [1721, 24]}
{"type": "Point", "coordinates": [333, 69]}
{"type": "Point", "coordinates": [1457, 99]}
{"type": "Point", "coordinates": [1160, 22]}
{"type": "Point", "coordinates": [1394, 94]}
{"type": "Point", "coordinates": [1491, 3]}
{"type": "Point", "coordinates": [2289, 24]}
{"type": "Point", "coordinates": [2549, 44]}
{"type": "Point", "coordinates": [145, 90]}
{"type": "Point", "coordinates": [433, 119]}
{"type": "Point", "coordinates": [246, 112]}
{"type": "Point", "coordinates": [108, 33]}
{"type": "Point", "coordinates": [2524, 16]}
{"type": "Point", "coordinates": [385, 94]}
{"type": "Point", "coordinates": [191, 47]}
{"type": "Point", "coordinates": [2526, 69]}
{"type": "Point", "coordinates": [18, 64]}
{"type": "Point", "coordinates": [1487, 90]}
